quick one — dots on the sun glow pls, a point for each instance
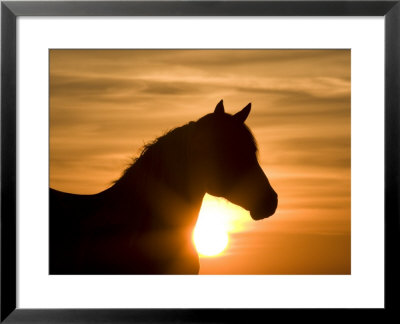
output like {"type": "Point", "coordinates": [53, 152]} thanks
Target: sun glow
{"type": "Point", "coordinates": [217, 219]}
{"type": "Point", "coordinates": [210, 242]}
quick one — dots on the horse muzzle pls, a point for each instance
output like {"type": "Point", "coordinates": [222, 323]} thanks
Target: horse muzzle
{"type": "Point", "coordinates": [267, 209]}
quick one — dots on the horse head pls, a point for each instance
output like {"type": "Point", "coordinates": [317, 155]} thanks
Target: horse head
{"type": "Point", "coordinates": [226, 159]}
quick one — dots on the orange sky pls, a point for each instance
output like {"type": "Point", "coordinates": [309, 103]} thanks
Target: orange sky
{"type": "Point", "coordinates": [105, 104]}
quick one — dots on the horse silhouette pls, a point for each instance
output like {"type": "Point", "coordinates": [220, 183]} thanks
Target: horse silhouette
{"type": "Point", "coordinates": [143, 224]}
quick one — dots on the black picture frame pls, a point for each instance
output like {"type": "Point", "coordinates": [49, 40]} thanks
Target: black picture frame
{"type": "Point", "coordinates": [10, 10]}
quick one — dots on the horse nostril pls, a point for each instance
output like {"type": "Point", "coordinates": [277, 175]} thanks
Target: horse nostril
{"type": "Point", "coordinates": [274, 201]}
{"type": "Point", "coordinates": [274, 197]}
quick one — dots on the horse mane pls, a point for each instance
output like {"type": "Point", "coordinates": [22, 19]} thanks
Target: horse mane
{"type": "Point", "coordinates": [166, 157]}
{"type": "Point", "coordinates": [162, 156]}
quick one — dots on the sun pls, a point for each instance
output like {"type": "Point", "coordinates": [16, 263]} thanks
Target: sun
{"type": "Point", "coordinates": [210, 239]}
{"type": "Point", "coordinates": [217, 219]}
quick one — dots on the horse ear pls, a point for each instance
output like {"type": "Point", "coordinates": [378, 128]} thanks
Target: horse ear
{"type": "Point", "coordinates": [219, 109]}
{"type": "Point", "coordinates": [242, 115]}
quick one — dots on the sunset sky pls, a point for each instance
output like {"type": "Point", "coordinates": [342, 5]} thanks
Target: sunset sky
{"type": "Point", "coordinates": [106, 104]}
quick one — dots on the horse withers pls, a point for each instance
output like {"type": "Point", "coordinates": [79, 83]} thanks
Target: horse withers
{"type": "Point", "coordinates": [143, 224]}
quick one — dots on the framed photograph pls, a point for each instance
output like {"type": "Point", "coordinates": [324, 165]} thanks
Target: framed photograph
{"type": "Point", "coordinates": [198, 161]}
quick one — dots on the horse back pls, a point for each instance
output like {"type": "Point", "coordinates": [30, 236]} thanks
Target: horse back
{"type": "Point", "coordinates": [67, 213]}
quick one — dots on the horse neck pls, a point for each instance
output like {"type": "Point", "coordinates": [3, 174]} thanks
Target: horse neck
{"type": "Point", "coordinates": [165, 169]}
